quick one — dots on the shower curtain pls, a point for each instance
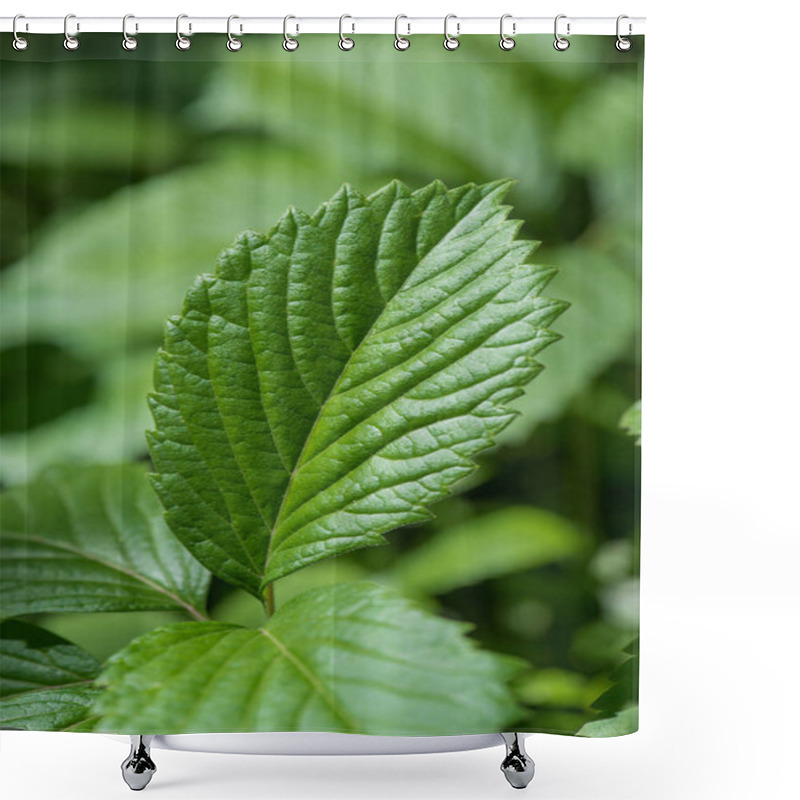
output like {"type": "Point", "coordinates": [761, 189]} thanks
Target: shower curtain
{"type": "Point", "coordinates": [320, 386]}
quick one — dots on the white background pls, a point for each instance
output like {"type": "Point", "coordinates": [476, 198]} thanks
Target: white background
{"type": "Point", "coordinates": [720, 544]}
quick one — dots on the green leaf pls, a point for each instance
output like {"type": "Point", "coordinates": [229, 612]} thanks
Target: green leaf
{"type": "Point", "coordinates": [62, 135]}
{"type": "Point", "coordinates": [338, 375]}
{"type": "Point", "coordinates": [618, 705]}
{"type": "Point", "coordinates": [103, 281]}
{"type": "Point", "coordinates": [92, 539]}
{"type": "Point", "coordinates": [624, 688]}
{"type": "Point", "coordinates": [487, 546]}
{"type": "Point", "coordinates": [552, 687]}
{"type": "Point", "coordinates": [620, 724]}
{"type": "Point", "coordinates": [353, 658]}
{"type": "Point", "coordinates": [110, 428]}
{"type": "Point", "coordinates": [104, 633]}
{"type": "Point", "coordinates": [373, 119]}
{"type": "Point", "coordinates": [45, 681]}
{"type": "Point", "coordinates": [631, 421]}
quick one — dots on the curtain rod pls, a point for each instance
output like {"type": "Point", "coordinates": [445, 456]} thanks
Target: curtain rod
{"type": "Point", "coordinates": [406, 26]}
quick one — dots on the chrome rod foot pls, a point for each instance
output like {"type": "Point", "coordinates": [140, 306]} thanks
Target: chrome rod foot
{"type": "Point", "coordinates": [517, 766]}
{"type": "Point", "coordinates": [138, 768]}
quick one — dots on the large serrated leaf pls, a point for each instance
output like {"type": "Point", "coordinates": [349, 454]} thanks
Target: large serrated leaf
{"type": "Point", "coordinates": [46, 682]}
{"type": "Point", "coordinates": [338, 375]}
{"type": "Point", "coordinates": [354, 658]}
{"type": "Point", "coordinates": [93, 539]}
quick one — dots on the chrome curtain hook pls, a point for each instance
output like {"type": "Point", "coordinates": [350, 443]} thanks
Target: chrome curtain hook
{"type": "Point", "coordinates": [70, 42]}
{"type": "Point", "coordinates": [19, 43]}
{"type": "Point", "coordinates": [182, 42]}
{"type": "Point", "coordinates": [451, 42]}
{"type": "Point", "coordinates": [622, 44]}
{"type": "Point", "coordinates": [560, 43]}
{"type": "Point", "coordinates": [234, 44]}
{"type": "Point", "coordinates": [290, 43]}
{"type": "Point", "coordinates": [400, 42]}
{"type": "Point", "coordinates": [129, 42]}
{"type": "Point", "coordinates": [506, 42]}
{"type": "Point", "coordinates": [345, 42]}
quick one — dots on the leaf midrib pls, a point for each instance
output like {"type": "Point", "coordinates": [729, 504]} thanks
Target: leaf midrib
{"type": "Point", "coordinates": [35, 689]}
{"type": "Point", "coordinates": [314, 681]}
{"type": "Point", "coordinates": [334, 389]}
{"type": "Point", "coordinates": [22, 538]}
{"type": "Point", "coordinates": [387, 442]}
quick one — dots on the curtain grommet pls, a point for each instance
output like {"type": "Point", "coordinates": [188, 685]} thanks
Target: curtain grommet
{"type": "Point", "coordinates": [623, 44]}
{"type": "Point", "coordinates": [561, 44]}
{"type": "Point", "coordinates": [346, 43]}
{"type": "Point", "coordinates": [401, 43]}
{"type": "Point", "coordinates": [70, 42]}
{"type": "Point", "coordinates": [182, 42]}
{"type": "Point", "coordinates": [19, 43]}
{"type": "Point", "coordinates": [507, 42]}
{"type": "Point", "coordinates": [451, 42]}
{"type": "Point", "coordinates": [128, 42]}
{"type": "Point", "coordinates": [234, 44]}
{"type": "Point", "coordinates": [290, 43]}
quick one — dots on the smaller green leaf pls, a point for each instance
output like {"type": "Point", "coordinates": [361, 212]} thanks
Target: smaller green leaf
{"type": "Point", "coordinates": [624, 689]}
{"type": "Point", "coordinates": [499, 543]}
{"type": "Point", "coordinates": [621, 724]}
{"type": "Point", "coordinates": [45, 681]}
{"type": "Point", "coordinates": [353, 658]}
{"type": "Point", "coordinates": [631, 421]}
{"type": "Point", "coordinates": [618, 705]}
{"type": "Point", "coordinates": [93, 539]}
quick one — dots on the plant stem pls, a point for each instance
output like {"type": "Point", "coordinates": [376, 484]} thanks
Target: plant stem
{"type": "Point", "coordinates": [269, 599]}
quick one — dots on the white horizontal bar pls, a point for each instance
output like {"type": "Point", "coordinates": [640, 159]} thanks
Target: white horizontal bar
{"type": "Point", "coordinates": [382, 25]}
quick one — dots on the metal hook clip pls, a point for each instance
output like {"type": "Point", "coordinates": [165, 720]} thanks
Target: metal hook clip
{"type": "Point", "coordinates": [451, 42]}
{"type": "Point", "coordinates": [400, 42]}
{"type": "Point", "coordinates": [560, 43]}
{"type": "Point", "coordinates": [234, 44]}
{"type": "Point", "coordinates": [19, 43]}
{"type": "Point", "coordinates": [622, 44]}
{"type": "Point", "coordinates": [70, 42]}
{"type": "Point", "coordinates": [129, 42]}
{"type": "Point", "coordinates": [290, 44]}
{"type": "Point", "coordinates": [345, 42]}
{"type": "Point", "coordinates": [506, 42]}
{"type": "Point", "coordinates": [182, 42]}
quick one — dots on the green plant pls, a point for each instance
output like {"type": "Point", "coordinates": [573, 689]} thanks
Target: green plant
{"type": "Point", "coordinates": [331, 381]}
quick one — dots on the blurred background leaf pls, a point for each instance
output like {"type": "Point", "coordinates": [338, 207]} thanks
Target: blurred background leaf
{"type": "Point", "coordinates": [632, 421]}
{"type": "Point", "coordinates": [618, 705]}
{"type": "Point", "coordinates": [488, 546]}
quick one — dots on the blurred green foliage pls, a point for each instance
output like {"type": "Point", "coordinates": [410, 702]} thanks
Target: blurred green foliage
{"type": "Point", "coordinates": [122, 175]}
